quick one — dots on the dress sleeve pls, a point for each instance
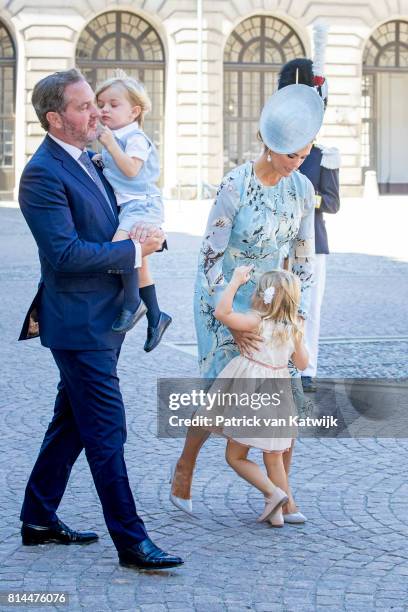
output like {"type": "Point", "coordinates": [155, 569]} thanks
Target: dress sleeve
{"type": "Point", "coordinates": [217, 235]}
{"type": "Point", "coordinates": [302, 250]}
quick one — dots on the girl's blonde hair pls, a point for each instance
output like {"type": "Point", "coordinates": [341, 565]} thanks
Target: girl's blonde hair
{"type": "Point", "coordinates": [283, 308]}
{"type": "Point", "coordinates": [135, 91]}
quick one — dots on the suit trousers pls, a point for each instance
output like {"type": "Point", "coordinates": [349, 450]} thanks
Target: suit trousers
{"type": "Point", "coordinates": [89, 414]}
{"type": "Point", "coordinates": [312, 325]}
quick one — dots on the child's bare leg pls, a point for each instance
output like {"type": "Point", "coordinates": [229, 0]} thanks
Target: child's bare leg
{"type": "Point", "coordinates": [287, 460]}
{"type": "Point", "coordinates": [120, 235]}
{"type": "Point", "coordinates": [236, 456]}
{"type": "Point", "coordinates": [276, 470]}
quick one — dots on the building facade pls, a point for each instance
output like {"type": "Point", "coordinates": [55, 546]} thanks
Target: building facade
{"type": "Point", "coordinates": [208, 66]}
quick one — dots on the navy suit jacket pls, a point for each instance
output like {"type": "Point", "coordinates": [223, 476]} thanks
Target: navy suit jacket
{"type": "Point", "coordinates": [325, 181]}
{"type": "Point", "coordinates": [80, 292]}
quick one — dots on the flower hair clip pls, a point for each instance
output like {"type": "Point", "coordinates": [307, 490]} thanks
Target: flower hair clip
{"type": "Point", "coordinates": [268, 295]}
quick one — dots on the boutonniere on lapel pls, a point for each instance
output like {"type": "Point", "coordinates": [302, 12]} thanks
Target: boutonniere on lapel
{"type": "Point", "coordinates": [97, 160]}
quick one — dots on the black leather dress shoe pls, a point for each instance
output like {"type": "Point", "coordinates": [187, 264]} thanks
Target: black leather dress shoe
{"type": "Point", "coordinates": [128, 319]}
{"type": "Point", "coordinates": [58, 533]}
{"type": "Point", "coordinates": [154, 334]}
{"type": "Point", "coordinates": [146, 555]}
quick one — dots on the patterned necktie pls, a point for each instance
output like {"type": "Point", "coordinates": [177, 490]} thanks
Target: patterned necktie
{"type": "Point", "coordinates": [86, 161]}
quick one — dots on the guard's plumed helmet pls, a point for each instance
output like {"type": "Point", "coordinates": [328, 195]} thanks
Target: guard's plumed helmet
{"type": "Point", "coordinates": [307, 72]}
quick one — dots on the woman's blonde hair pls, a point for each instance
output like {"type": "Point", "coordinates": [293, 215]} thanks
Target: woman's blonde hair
{"type": "Point", "coordinates": [135, 91]}
{"type": "Point", "coordinates": [283, 306]}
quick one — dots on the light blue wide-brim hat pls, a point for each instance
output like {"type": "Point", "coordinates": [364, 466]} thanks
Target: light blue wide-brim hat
{"type": "Point", "coordinates": [291, 118]}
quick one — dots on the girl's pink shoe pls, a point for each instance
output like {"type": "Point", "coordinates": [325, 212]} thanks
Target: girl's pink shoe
{"type": "Point", "coordinates": [272, 504]}
{"type": "Point", "coordinates": [276, 519]}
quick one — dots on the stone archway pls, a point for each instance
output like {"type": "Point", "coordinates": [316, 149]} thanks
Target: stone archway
{"type": "Point", "coordinates": [7, 113]}
{"type": "Point", "coordinates": [384, 108]}
{"type": "Point", "coordinates": [119, 39]}
{"type": "Point", "coordinates": [253, 56]}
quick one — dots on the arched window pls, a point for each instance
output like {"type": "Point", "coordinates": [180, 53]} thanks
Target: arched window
{"type": "Point", "coordinates": [253, 56]}
{"type": "Point", "coordinates": [388, 47]}
{"type": "Point", "coordinates": [120, 39]}
{"type": "Point", "coordinates": [384, 116]}
{"type": "Point", "coordinates": [7, 112]}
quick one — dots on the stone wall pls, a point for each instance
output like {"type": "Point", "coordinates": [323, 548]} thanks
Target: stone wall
{"type": "Point", "coordinates": [46, 37]}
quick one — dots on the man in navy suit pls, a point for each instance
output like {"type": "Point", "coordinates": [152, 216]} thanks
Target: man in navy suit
{"type": "Point", "coordinates": [72, 213]}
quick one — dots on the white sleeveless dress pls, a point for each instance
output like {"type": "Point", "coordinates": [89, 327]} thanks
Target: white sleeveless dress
{"type": "Point", "coordinates": [248, 376]}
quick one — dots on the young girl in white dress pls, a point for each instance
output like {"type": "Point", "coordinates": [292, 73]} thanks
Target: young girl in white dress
{"type": "Point", "coordinates": [131, 165]}
{"type": "Point", "coordinates": [274, 316]}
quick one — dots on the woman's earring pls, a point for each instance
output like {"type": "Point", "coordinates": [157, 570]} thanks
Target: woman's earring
{"type": "Point", "coordinates": [269, 157]}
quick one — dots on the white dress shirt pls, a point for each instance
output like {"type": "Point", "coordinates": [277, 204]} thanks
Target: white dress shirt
{"type": "Point", "coordinates": [136, 146]}
{"type": "Point", "coordinates": [75, 153]}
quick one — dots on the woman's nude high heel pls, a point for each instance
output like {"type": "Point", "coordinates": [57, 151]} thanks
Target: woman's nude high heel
{"type": "Point", "coordinates": [186, 505]}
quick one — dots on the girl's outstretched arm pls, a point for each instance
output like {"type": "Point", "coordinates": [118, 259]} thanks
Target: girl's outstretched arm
{"type": "Point", "coordinates": [224, 311]}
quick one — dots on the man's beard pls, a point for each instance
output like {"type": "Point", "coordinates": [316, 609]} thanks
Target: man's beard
{"type": "Point", "coordinates": [81, 136]}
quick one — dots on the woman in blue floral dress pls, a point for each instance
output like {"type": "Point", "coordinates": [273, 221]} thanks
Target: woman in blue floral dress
{"type": "Point", "coordinates": [263, 212]}
{"type": "Point", "coordinates": [251, 223]}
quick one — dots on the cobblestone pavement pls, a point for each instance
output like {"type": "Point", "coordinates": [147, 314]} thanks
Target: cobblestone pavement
{"type": "Point", "coordinates": [350, 555]}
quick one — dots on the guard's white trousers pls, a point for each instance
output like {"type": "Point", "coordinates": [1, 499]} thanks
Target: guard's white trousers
{"type": "Point", "coordinates": [312, 324]}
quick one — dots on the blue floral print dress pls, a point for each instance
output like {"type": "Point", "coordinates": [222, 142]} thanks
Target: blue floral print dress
{"type": "Point", "coordinates": [250, 224]}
